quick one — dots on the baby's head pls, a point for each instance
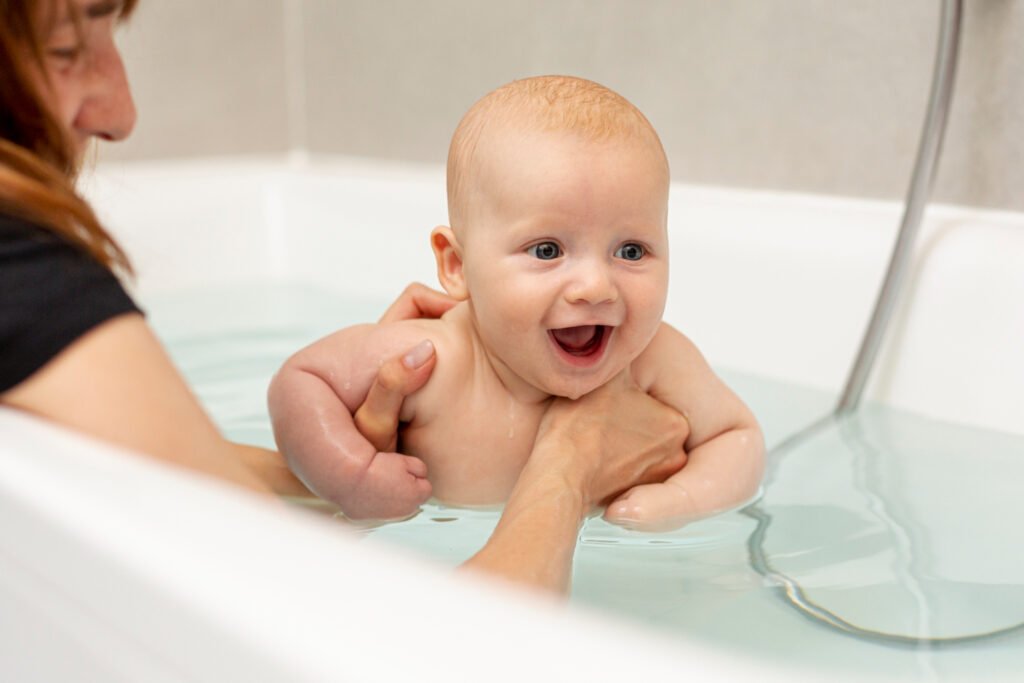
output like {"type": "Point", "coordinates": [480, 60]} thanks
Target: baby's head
{"type": "Point", "coordinates": [558, 201]}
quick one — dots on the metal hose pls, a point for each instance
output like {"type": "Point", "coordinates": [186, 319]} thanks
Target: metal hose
{"type": "Point", "coordinates": [917, 196]}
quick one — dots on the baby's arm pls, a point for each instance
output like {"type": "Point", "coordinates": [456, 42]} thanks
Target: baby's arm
{"type": "Point", "coordinates": [725, 446]}
{"type": "Point", "coordinates": [312, 399]}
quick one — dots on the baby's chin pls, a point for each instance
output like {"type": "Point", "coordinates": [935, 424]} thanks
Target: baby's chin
{"type": "Point", "coordinates": [573, 388]}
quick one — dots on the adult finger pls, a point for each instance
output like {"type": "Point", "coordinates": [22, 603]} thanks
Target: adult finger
{"type": "Point", "coordinates": [418, 301]}
{"type": "Point", "coordinates": [377, 418]}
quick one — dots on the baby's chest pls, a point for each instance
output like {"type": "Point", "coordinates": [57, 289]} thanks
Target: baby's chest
{"type": "Point", "coordinates": [474, 449]}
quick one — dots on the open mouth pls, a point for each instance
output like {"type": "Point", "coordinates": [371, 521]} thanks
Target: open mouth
{"type": "Point", "coordinates": [583, 342]}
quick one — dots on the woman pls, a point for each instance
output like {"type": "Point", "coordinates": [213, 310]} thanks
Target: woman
{"type": "Point", "coordinates": [76, 350]}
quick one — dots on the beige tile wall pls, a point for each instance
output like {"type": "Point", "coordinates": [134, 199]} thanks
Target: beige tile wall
{"type": "Point", "coordinates": [802, 95]}
{"type": "Point", "coordinates": [208, 78]}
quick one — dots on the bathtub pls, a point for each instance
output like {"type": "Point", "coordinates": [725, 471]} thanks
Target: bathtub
{"type": "Point", "coordinates": [118, 568]}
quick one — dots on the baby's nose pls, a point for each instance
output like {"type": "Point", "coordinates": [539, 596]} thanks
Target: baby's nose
{"type": "Point", "coordinates": [592, 284]}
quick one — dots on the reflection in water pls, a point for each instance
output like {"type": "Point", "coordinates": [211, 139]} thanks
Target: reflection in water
{"type": "Point", "coordinates": [886, 548]}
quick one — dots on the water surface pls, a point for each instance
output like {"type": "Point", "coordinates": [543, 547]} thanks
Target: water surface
{"type": "Point", "coordinates": [899, 530]}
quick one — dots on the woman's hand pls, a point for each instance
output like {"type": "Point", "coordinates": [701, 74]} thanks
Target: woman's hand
{"type": "Point", "coordinates": [587, 451]}
{"type": "Point", "coordinates": [418, 301]}
{"type": "Point", "coordinates": [377, 418]}
{"type": "Point", "coordinates": [610, 440]}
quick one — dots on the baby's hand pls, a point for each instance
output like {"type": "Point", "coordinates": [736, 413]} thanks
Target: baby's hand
{"type": "Point", "coordinates": [653, 507]}
{"type": "Point", "coordinates": [393, 487]}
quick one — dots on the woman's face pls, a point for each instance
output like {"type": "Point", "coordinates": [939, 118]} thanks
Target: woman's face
{"type": "Point", "coordinates": [89, 88]}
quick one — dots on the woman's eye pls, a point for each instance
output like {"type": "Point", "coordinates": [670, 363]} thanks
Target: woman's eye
{"type": "Point", "coordinates": [65, 54]}
{"type": "Point", "coordinates": [545, 251]}
{"type": "Point", "coordinates": [630, 251]}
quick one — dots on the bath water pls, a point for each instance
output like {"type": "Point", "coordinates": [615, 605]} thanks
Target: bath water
{"type": "Point", "coordinates": [880, 545]}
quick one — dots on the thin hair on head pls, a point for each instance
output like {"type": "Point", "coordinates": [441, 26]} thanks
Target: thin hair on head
{"type": "Point", "coordinates": [542, 103]}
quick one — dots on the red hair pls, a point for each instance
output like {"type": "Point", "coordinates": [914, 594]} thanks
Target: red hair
{"type": "Point", "coordinates": [38, 163]}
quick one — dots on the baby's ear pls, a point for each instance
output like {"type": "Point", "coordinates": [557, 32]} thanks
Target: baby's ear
{"type": "Point", "coordinates": [448, 254]}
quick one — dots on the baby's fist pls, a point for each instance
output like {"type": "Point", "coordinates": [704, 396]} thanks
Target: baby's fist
{"type": "Point", "coordinates": [393, 487]}
{"type": "Point", "coordinates": [652, 507]}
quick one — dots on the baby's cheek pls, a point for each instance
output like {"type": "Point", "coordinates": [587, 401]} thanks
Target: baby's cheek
{"type": "Point", "coordinates": [507, 333]}
{"type": "Point", "coordinates": [651, 297]}
{"type": "Point", "coordinates": [515, 315]}
{"type": "Point", "coordinates": [647, 321]}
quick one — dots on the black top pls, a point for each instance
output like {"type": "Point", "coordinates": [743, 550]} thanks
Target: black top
{"type": "Point", "coordinates": [51, 293]}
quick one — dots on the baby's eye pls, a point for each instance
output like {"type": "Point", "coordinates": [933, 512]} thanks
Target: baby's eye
{"type": "Point", "coordinates": [631, 251]}
{"type": "Point", "coordinates": [545, 251]}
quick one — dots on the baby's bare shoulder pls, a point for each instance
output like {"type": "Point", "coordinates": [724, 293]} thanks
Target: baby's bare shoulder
{"type": "Point", "coordinates": [452, 371]}
{"type": "Point", "coordinates": [368, 343]}
{"type": "Point", "coordinates": [669, 357]}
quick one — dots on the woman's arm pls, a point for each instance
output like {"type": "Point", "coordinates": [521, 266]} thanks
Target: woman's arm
{"type": "Point", "coordinates": [587, 451]}
{"type": "Point", "coordinates": [118, 384]}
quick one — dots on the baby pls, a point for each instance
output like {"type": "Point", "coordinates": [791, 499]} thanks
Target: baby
{"type": "Point", "coordinates": [558, 255]}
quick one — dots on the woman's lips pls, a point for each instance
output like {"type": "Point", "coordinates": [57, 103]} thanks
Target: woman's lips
{"type": "Point", "coordinates": [582, 345]}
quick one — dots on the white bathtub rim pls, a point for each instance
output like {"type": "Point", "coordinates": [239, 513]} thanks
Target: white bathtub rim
{"type": "Point", "coordinates": [291, 164]}
{"type": "Point", "coordinates": [773, 284]}
{"type": "Point", "coordinates": [126, 514]}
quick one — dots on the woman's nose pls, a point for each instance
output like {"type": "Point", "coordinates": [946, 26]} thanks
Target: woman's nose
{"type": "Point", "coordinates": [108, 110]}
{"type": "Point", "coordinates": [592, 284]}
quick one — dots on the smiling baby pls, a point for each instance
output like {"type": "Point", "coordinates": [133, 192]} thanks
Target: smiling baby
{"type": "Point", "coordinates": [557, 251]}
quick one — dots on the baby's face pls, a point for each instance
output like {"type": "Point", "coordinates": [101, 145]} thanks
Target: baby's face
{"type": "Point", "coordinates": [565, 256]}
